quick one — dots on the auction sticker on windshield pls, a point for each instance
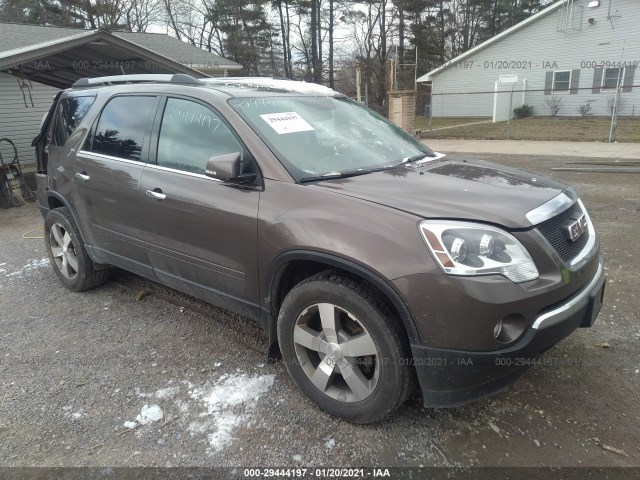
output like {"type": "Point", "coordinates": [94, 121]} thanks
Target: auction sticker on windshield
{"type": "Point", "coordinates": [286, 122]}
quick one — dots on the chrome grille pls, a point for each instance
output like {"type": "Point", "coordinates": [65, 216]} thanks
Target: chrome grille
{"type": "Point", "coordinates": [552, 230]}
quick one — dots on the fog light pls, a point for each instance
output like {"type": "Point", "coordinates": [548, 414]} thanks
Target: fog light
{"type": "Point", "coordinates": [497, 329]}
{"type": "Point", "coordinates": [510, 328]}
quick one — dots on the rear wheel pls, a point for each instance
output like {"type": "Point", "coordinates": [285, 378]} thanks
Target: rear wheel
{"type": "Point", "coordinates": [343, 348]}
{"type": "Point", "coordinates": [67, 254]}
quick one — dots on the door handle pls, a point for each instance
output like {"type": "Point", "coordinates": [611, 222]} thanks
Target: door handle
{"type": "Point", "coordinates": [83, 176]}
{"type": "Point", "coordinates": [155, 194]}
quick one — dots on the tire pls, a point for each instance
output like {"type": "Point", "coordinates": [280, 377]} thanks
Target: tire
{"type": "Point", "coordinates": [359, 382]}
{"type": "Point", "coordinates": [67, 254]}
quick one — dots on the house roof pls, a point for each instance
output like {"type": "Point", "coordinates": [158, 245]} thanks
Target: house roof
{"type": "Point", "coordinates": [180, 51]}
{"type": "Point", "coordinates": [519, 26]}
{"type": "Point", "coordinates": [20, 36]}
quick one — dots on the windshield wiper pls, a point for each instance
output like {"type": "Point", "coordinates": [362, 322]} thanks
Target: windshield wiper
{"type": "Point", "coordinates": [347, 174]}
{"type": "Point", "coordinates": [420, 156]}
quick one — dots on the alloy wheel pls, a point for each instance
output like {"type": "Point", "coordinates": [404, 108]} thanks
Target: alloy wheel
{"type": "Point", "coordinates": [63, 251]}
{"type": "Point", "coordinates": [336, 352]}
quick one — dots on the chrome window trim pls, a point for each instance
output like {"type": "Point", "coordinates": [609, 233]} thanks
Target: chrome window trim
{"type": "Point", "coordinates": [109, 157]}
{"type": "Point", "coordinates": [148, 165]}
{"type": "Point", "coordinates": [181, 172]}
{"type": "Point", "coordinates": [561, 313]}
{"type": "Point", "coordinates": [553, 207]}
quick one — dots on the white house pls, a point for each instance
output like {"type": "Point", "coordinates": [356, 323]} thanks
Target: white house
{"type": "Point", "coordinates": [572, 54]}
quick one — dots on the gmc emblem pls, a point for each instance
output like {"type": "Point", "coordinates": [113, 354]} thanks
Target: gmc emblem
{"type": "Point", "coordinates": [575, 227]}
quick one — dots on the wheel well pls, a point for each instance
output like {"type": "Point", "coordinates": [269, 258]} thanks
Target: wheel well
{"type": "Point", "coordinates": [55, 203]}
{"type": "Point", "coordinates": [295, 271]}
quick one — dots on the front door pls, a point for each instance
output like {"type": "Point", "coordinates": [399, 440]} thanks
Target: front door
{"type": "Point", "coordinates": [201, 234]}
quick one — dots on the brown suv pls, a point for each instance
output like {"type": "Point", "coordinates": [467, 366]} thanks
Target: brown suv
{"type": "Point", "coordinates": [369, 259]}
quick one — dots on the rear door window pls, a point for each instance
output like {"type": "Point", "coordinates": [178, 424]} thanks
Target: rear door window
{"type": "Point", "coordinates": [69, 114]}
{"type": "Point", "coordinates": [122, 125]}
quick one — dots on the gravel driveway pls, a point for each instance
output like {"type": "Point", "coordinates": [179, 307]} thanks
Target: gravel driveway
{"type": "Point", "coordinates": [137, 374]}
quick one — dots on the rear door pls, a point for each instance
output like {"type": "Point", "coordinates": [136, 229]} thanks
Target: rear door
{"type": "Point", "coordinates": [201, 233]}
{"type": "Point", "coordinates": [43, 139]}
{"type": "Point", "coordinates": [107, 178]}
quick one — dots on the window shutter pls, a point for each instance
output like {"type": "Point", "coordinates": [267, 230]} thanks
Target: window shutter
{"type": "Point", "coordinates": [575, 81]}
{"type": "Point", "coordinates": [548, 83]}
{"type": "Point", "coordinates": [627, 83]}
{"type": "Point", "coordinates": [597, 80]}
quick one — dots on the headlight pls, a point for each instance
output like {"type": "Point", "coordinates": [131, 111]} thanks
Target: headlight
{"type": "Point", "coordinates": [463, 248]}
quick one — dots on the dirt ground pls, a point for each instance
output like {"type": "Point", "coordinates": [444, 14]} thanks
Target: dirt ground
{"type": "Point", "coordinates": [194, 382]}
{"type": "Point", "coordinates": [568, 129]}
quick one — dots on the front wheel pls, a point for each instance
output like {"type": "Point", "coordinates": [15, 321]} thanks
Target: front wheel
{"type": "Point", "coordinates": [344, 349]}
{"type": "Point", "coordinates": [67, 254]}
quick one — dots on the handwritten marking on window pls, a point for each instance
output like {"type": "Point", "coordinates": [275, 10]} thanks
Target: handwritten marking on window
{"type": "Point", "coordinates": [199, 119]}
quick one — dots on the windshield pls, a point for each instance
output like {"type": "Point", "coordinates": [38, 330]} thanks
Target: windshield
{"type": "Point", "coordinates": [327, 136]}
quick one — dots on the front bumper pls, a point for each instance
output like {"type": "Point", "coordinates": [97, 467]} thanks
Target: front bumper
{"type": "Point", "coordinates": [451, 378]}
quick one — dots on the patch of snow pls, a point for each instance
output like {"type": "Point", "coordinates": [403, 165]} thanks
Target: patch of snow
{"type": "Point", "coordinates": [330, 443]}
{"type": "Point", "coordinates": [130, 425]}
{"type": "Point", "coordinates": [139, 393]}
{"type": "Point", "coordinates": [183, 406]}
{"type": "Point", "coordinates": [149, 414]}
{"type": "Point", "coordinates": [222, 405]}
{"type": "Point", "coordinates": [29, 267]}
{"type": "Point", "coordinates": [74, 415]}
{"type": "Point", "coordinates": [165, 393]}
{"type": "Point", "coordinates": [297, 458]}
{"type": "Point", "coordinates": [275, 85]}
{"type": "Point", "coordinates": [223, 436]}
{"type": "Point", "coordinates": [234, 390]}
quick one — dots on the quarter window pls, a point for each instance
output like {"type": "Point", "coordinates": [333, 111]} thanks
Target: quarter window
{"type": "Point", "coordinates": [190, 134]}
{"type": "Point", "coordinates": [70, 112]}
{"type": "Point", "coordinates": [610, 78]}
{"type": "Point", "coordinates": [561, 81]}
{"type": "Point", "coordinates": [120, 130]}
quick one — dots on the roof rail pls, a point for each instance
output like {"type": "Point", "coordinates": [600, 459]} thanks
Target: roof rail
{"type": "Point", "coordinates": [182, 78]}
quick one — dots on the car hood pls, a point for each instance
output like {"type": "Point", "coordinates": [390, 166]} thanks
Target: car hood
{"type": "Point", "coordinates": [454, 187]}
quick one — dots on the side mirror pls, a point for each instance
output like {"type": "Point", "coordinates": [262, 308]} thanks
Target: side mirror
{"type": "Point", "coordinates": [224, 167]}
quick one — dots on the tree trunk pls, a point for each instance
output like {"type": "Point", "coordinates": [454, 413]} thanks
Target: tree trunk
{"type": "Point", "coordinates": [283, 30]}
{"type": "Point", "coordinates": [400, 33]}
{"type": "Point", "coordinates": [290, 64]}
{"type": "Point", "coordinates": [314, 41]}
{"type": "Point", "coordinates": [319, 21]}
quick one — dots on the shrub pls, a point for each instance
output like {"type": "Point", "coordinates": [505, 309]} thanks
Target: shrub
{"type": "Point", "coordinates": [585, 109]}
{"type": "Point", "coordinates": [524, 111]}
{"type": "Point", "coordinates": [554, 104]}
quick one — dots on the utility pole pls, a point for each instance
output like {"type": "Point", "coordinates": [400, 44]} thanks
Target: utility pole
{"type": "Point", "coordinates": [616, 105]}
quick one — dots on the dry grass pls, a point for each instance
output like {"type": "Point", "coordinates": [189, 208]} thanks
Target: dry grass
{"type": "Point", "coordinates": [571, 129]}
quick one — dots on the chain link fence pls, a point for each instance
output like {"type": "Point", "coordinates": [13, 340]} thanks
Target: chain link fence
{"type": "Point", "coordinates": [514, 112]}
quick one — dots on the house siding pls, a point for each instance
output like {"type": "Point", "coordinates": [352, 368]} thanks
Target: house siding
{"type": "Point", "coordinates": [538, 49]}
{"type": "Point", "coordinates": [18, 122]}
